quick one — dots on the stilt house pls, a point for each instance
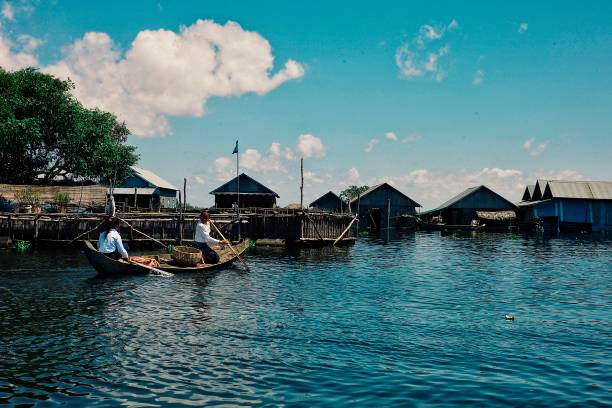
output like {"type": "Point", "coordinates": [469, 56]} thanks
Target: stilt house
{"type": "Point", "coordinates": [329, 202]}
{"type": "Point", "coordinates": [381, 203]}
{"type": "Point", "coordinates": [569, 206]}
{"type": "Point", "coordinates": [252, 194]}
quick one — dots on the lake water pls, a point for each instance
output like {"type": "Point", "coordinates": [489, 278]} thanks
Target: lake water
{"type": "Point", "coordinates": [419, 320]}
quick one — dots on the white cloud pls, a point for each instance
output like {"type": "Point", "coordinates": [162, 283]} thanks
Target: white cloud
{"type": "Point", "coordinates": [478, 77]}
{"type": "Point", "coordinates": [418, 58]}
{"type": "Point", "coordinates": [14, 57]}
{"type": "Point", "coordinates": [539, 149]}
{"type": "Point", "coordinates": [431, 188]}
{"type": "Point", "coordinates": [528, 146]}
{"type": "Point", "coordinates": [29, 43]}
{"type": "Point", "coordinates": [199, 179]}
{"type": "Point", "coordinates": [313, 177]}
{"type": "Point", "coordinates": [251, 159]}
{"type": "Point", "coordinates": [370, 146]}
{"type": "Point", "coordinates": [523, 27]}
{"type": "Point", "coordinates": [222, 168]}
{"type": "Point", "coordinates": [353, 174]}
{"type": "Point", "coordinates": [411, 138]}
{"type": "Point", "coordinates": [310, 146]}
{"type": "Point", "coordinates": [391, 136]}
{"type": "Point", "coordinates": [8, 12]}
{"type": "Point", "coordinates": [165, 73]}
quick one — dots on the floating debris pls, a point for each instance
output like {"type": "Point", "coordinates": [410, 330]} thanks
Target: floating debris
{"type": "Point", "coordinates": [22, 246]}
{"type": "Point", "coordinates": [509, 317]}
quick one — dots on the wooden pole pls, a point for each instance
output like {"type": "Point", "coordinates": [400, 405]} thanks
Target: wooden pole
{"type": "Point", "coordinates": [345, 231]}
{"type": "Point", "coordinates": [238, 190]}
{"type": "Point", "coordinates": [132, 229]}
{"type": "Point", "coordinates": [184, 194]}
{"type": "Point", "coordinates": [302, 183]}
{"type": "Point", "coordinates": [136, 198]}
{"type": "Point", "coordinates": [230, 245]}
{"type": "Point", "coordinates": [388, 217]}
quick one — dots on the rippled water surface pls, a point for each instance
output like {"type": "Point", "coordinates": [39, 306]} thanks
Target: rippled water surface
{"type": "Point", "coordinates": [416, 321]}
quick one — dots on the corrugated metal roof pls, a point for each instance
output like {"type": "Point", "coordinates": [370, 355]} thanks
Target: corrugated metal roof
{"type": "Point", "coordinates": [153, 178]}
{"type": "Point", "coordinates": [589, 190]}
{"type": "Point", "coordinates": [330, 194]}
{"type": "Point", "coordinates": [528, 192]}
{"type": "Point", "coordinates": [377, 186]}
{"type": "Point", "coordinates": [246, 183]}
{"type": "Point", "coordinates": [130, 191]}
{"type": "Point", "coordinates": [458, 197]}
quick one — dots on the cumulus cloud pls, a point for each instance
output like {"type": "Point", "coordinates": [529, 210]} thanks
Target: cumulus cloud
{"type": "Point", "coordinates": [312, 177]}
{"type": "Point", "coordinates": [222, 168]}
{"type": "Point", "coordinates": [251, 159]}
{"type": "Point", "coordinates": [310, 146]}
{"type": "Point", "coordinates": [370, 146]}
{"type": "Point", "coordinates": [421, 57]}
{"type": "Point", "coordinates": [478, 77]}
{"type": "Point", "coordinates": [529, 146]}
{"type": "Point", "coordinates": [273, 161]}
{"type": "Point", "coordinates": [431, 188]}
{"type": "Point", "coordinates": [166, 73]}
{"type": "Point", "coordinates": [391, 136]}
{"type": "Point", "coordinates": [523, 27]}
{"type": "Point", "coordinates": [353, 174]}
{"type": "Point", "coordinates": [16, 56]}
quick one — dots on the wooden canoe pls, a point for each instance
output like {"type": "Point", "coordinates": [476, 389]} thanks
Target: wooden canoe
{"type": "Point", "coordinates": [107, 266]}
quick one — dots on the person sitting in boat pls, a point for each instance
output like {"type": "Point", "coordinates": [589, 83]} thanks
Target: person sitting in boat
{"type": "Point", "coordinates": [202, 239]}
{"type": "Point", "coordinates": [109, 242]}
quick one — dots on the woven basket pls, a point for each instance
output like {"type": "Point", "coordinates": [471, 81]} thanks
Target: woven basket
{"type": "Point", "coordinates": [187, 256]}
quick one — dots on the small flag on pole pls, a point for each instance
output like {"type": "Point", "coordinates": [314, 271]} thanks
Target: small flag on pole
{"type": "Point", "coordinates": [235, 148]}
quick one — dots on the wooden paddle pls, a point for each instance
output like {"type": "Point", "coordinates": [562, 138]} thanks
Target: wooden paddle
{"type": "Point", "coordinates": [152, 269]}
{"type": "Point", "coordinates": [230, 245]}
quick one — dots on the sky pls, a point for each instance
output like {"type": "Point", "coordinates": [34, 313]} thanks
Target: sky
{"type": "Point", "coordinates": [431, 97]}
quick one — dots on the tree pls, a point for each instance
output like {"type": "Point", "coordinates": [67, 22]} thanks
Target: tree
{"type": "Point", "coordinates": [45, 133]}
{"type": "Point", "coordinates": [352, 192]}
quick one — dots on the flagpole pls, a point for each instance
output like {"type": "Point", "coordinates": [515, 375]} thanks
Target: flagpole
{"type": "Point", "coordinates": [238, 183]}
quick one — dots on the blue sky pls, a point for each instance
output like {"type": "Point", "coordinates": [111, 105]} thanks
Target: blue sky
{"type": "Point", "coordinates": [432, 98]}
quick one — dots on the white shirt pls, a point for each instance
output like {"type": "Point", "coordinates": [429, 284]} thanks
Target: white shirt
{"type": "Point", "coordinates": [202, 234]}
{"type": "Point", "coordinates": [108, 243]}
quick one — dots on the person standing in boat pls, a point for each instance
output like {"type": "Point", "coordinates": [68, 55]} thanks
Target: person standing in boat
{"type": "Point", "coordinates": [109, 242]}
{"type": "Point", "coordinates": [202, 239]}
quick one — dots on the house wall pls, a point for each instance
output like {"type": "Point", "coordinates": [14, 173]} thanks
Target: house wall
{"type": "Point", "coordinates": [260, 201]}
{"type": "Point", "coordinates": [597, 213]}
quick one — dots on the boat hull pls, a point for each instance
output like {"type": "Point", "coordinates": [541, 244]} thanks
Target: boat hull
{"type": "Point", "coordinates": [110, 267]}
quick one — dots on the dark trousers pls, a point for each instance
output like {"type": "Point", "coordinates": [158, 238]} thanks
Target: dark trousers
{"type": "Point", "coordinates": [209, 255]}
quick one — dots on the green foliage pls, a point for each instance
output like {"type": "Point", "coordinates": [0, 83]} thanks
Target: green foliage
{"type": "Point", "coordinates": [352, 192]}
{"type": "Point", "coordinates": [28, 196]}
{"type": "Point", "coordinates": [45, 131]}
{"type": "Point", "coordinates": [62, 198]}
